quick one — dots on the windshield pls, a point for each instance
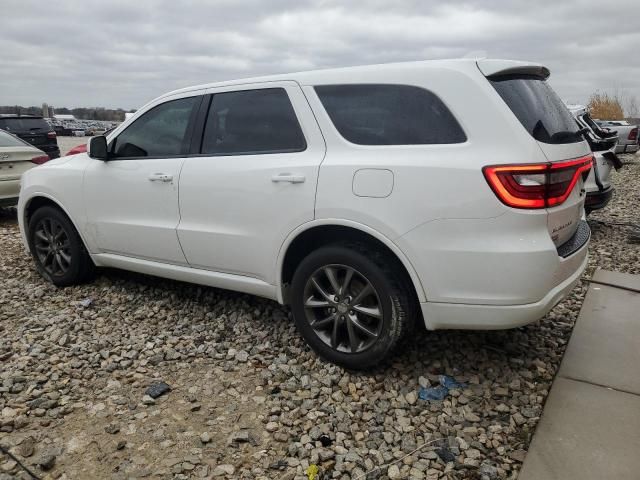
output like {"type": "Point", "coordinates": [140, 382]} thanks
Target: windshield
{"type": "Point", "coordinates": [7, 140]}
{"type": "Point", "coordinates": [23, 124]}
{"type": "Point", "coordinates": [538, 108]}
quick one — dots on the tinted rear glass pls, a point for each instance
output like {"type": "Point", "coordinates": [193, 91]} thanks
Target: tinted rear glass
{"type": "Point", "coordinates": [538, 108]}
{"type": "Point", "coordinates": [7, 140]}
{"type": "Point", "coordinates": [252, 122]}
{"type": "Point", "coordinates": [389, 115]}
{"type": "Point", "coordinates": [23, 124]}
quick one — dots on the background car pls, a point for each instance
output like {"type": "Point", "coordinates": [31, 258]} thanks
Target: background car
{"type": "Point", "coordinates": [83, 146]}
{"type": "Point", "coordinates": [627, 134]}
{"type": "Point", "coordinates": [34, 130]}
{"type": "Point", "coordinates": [16, 157]}
{"type": "Point", "coordinates": [603, 144]}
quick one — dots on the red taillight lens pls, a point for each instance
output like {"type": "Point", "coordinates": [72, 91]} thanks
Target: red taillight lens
{"type": "Point", "coordinates": [51, 135]}
{"type": "Point", "coordinates": [633, 134]}
{"type": "Point", "coordinates": [539, 185]}
{"type": "Point", "coordinates": [40, 159]}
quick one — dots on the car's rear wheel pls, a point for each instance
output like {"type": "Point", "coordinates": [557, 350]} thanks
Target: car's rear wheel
{"type": "Point", "coordinates": [59, 253]}
{"type": "Point", "coordinates": [350, 304]}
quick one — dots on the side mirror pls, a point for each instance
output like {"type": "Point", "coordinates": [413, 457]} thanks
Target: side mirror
{"type": "Point", "coordinates": [97, 148]}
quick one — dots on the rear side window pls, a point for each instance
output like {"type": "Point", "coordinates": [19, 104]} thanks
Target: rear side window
{"type": "Point", "coordinates": [538, 108]}
{"type": "Point", "coordinates": [160, 132]}
{"type": "Point", "coordinates": [252, 122]}
{"type": "Point", "coordinates": [7, 140]}
{"type": "Point", "coordinates": [23, 124]}
{"type": "Point", "coordinates": [367, 114]}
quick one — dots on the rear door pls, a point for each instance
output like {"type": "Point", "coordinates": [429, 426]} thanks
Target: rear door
{"type": "Point", "coordinates": [252, 179]}
{"type": "Point", "coordinates": [543, 114]}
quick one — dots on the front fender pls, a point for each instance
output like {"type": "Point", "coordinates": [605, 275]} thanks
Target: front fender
{"type": "Point", "coordinates": [59, 183]}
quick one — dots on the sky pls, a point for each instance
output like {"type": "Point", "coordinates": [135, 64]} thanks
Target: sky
{"type": "Point", "coordinates": [123, 53]}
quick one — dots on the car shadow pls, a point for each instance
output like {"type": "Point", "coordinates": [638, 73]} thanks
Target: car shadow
{"type": "Point", "coordinates": [462, 354]}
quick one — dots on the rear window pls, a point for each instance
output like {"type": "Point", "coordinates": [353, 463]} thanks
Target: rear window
{"type": "Point", "coordinates": [7, 140]}
{"type": "Point", "coordinates": [538, 108]}
{"type": "Point", "coordinates": [23, 124]}
{"type": "Point", "coordinates": [389, 115]}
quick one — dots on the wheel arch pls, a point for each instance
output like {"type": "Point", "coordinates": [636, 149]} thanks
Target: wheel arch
{"type": "Point", "coordinates": [313, 235]}
{"type": "Point", "coordinates": [39, 200]}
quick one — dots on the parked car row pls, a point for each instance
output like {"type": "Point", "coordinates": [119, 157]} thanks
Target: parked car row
{"type": "Point", "coordinates": [80, 128]}
{"type": "Point", "coordinates": [370, 199]}
{"type": "Point", "coordinates": [603, 144]}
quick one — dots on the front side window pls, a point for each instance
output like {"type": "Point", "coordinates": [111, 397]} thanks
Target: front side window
{"type": "Point", "coordinates": [252, 122]}
{"type": "Point", "coordinates": [389, 115]}
{"type": "Point", "coordinates": [160, 132]}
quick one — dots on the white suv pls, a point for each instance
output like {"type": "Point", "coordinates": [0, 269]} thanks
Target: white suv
{"type": "Point", "coordinates": [365, 198]}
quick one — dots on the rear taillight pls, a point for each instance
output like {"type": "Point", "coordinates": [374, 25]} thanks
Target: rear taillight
{"type": "Point", "coordinates": [39, 160]}
{"type": "Point", "coordinates": [539, 185]}
{"type": "Point", "coordinates": [633, 134]}
{"type": "Point", "coordinates": [51, 135]}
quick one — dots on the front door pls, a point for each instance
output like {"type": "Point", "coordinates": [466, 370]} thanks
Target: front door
{"type": "Point", "coordinates": [132, 198]}
{"type": "Point", "coordinates": [252, 181]}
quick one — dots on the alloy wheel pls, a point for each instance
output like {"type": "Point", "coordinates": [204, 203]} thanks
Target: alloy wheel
{"type": "Point", "coordinates": [52, 246]}
{"type": "Point", "coordinates": [343, 308]}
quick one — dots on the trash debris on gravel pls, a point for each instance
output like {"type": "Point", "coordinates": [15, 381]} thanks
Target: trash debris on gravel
{"type": "Point", "coordinates": [441, 391]}
{"type": "Point", "coordinates": [157, 389]}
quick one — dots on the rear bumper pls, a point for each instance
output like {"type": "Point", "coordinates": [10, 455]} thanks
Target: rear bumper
{"type": "Point", "coordinates": [9, 202]}
{"type": "Point", "coordinates": [597, 200]}
{"type": "Point", "coordinates": [499, 317]}
{"type": "Point", "coordinates": [9, 192]}
{"type": "Point", "coordinates": [627, 148]}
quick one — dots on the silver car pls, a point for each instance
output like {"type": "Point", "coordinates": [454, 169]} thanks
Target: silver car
{"type": "Point", "coordinates": [627, 134]}
{"type": "Point", "coordinates": [16, 157]}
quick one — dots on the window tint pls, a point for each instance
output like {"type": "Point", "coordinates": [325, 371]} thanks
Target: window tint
{"type": "Point", "coordinates": [7, 140]}
{"type": "Point", "coordinates": [538, 108]}
{"type": "Point", "coordinates": [158, 133]}
{"type": "Point", "coordinates": [250, 122]}
{"type": "Point", "coordinates": [389, 115]}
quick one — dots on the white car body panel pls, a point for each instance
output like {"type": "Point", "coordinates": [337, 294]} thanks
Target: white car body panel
{"type": "Point", "coordinates": [223, 222]}
{"type": "Point", "coordinates": [234, 216]}
{"type": "Point", "coordinates": [129, 210]}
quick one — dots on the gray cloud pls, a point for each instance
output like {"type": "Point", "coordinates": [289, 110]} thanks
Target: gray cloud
{"type": "Point", "coordinates": [119, 53]}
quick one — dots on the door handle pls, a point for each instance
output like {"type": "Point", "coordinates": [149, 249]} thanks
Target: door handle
{"type": "Point", "coordinates": [286, 177]}
{"type": "Point", "coordinates": [160, 177]}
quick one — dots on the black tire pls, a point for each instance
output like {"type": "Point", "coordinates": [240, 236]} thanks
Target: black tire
{"type": "Point", "coordinates": [391, 301]}
{"type": "Point", "coordinates": [53, 265]}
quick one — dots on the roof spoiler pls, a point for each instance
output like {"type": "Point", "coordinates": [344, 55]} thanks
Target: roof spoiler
{"type": "Point", "coordinates": [500, 68]}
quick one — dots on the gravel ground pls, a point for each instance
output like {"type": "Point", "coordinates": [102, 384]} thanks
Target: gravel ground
{"type": "Point", "coordinates": [248, 399]}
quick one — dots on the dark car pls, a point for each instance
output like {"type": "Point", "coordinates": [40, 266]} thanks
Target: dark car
{"type": "Point", "coordinates": [34, 130]}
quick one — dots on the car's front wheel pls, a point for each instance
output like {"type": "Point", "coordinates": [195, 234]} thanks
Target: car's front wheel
{"type": "Point", "coordinates": [57, 249]}
{"type": "Point", "coordinates": [350, 304]}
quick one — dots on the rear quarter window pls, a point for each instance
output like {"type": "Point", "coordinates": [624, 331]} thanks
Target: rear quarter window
{"type": "Point", "coordinates": [538, 108]}
{"type": "Point", "coordinates": [369, 114]}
